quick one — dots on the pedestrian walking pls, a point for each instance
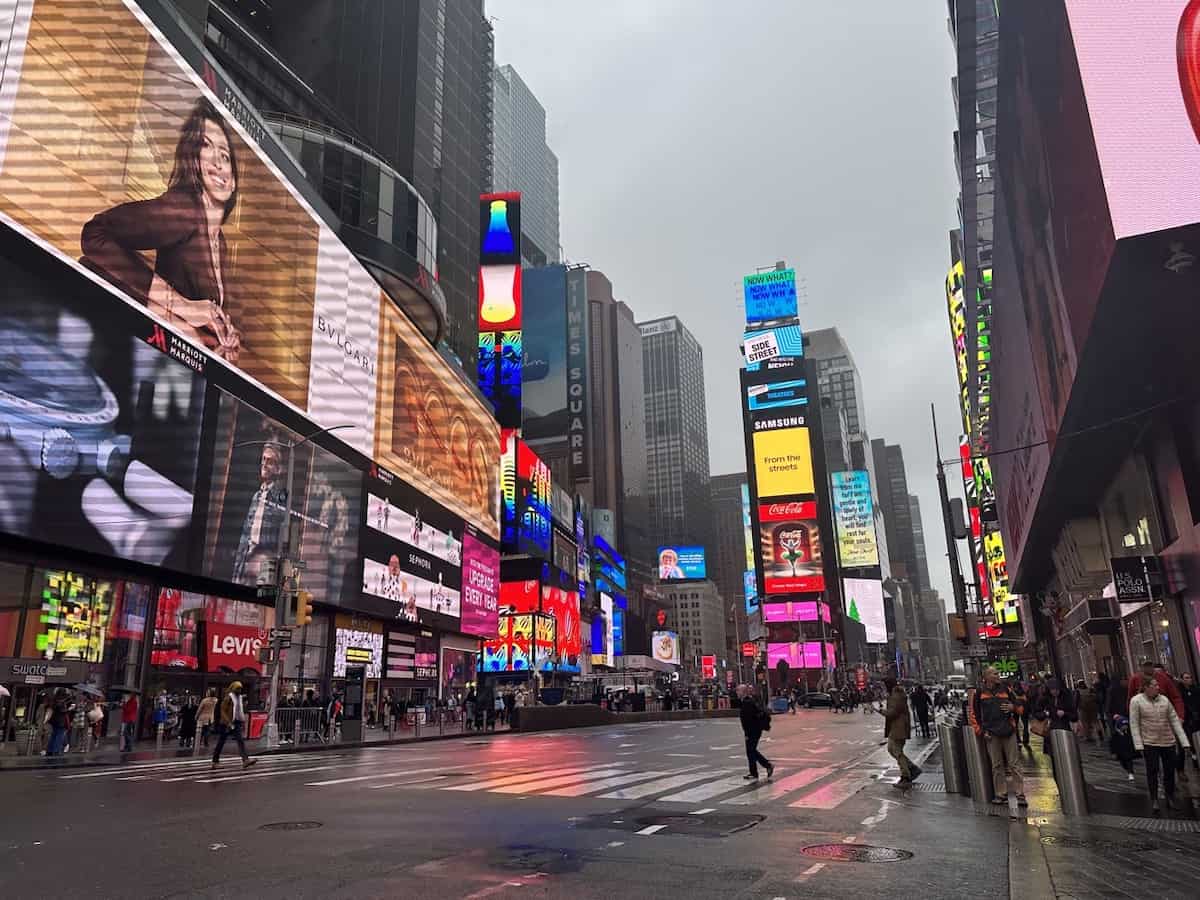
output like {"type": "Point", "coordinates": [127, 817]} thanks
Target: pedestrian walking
{"type": "Point", "coordinates": [1102, 687]}
{"type": "Point", "coordinates": [1056, 711]}
{"type": "Point", "coordinates": [1120, 743]}
{"type": "Point", "coordinates": [1166, 685]}
{"type": "Point", "coordinates": [129, 720]}
{"type": "Point", "coordinates": [897, 728]}
{"type": "Point", "coordinates": [61, 710]}
{"type": "Point", "coordinates": [205, 714]}
{"type": "Point", "coordinates": [1156, 727]}
{"type": "Point", "coordinates": [920, 704]}
{"type": "Point", "coordinates": [231, 723]}
{"type": "Point", "coordinates": [994, 715]}
{"type": "Point", "coordinates": [189, 716]}
{"type": "Point", "coordinates": [1117, 701]}
{"type": "Point", "coordinates": [755, 720]}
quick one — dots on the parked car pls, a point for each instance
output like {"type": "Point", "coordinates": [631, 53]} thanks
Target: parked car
{"type": "Point", "coordinates": [818, 699]}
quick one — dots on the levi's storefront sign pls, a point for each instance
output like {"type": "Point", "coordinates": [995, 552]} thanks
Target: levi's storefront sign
{"type": "Point", "coordinates": [233, 648]}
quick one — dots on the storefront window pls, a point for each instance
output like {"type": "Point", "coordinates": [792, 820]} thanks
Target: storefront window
{"type": "Point", "coordinates": [458, 672]}
{"type": "Point", "coordinates": [304, 661]}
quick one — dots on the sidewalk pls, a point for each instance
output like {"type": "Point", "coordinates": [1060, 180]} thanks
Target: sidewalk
{"type": "Point", "coordinates": [109, 755]}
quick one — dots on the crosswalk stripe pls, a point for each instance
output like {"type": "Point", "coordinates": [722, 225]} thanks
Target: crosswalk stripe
{"type": "Point", "coordinates": [777, 789]}
{"type": "Point", "coordinates": [209, 772]}
{"type": "Point", "coordinates": [665, 784]}
{"type": "Point", "coordinates": [192, 763]}
{"type": "Point", "coordinates": [534, 787]}
{"type": "Point", "coordinates": [578, 790]}
{"type": "Point", "coordinates": [400, 774]}
{"type": "Point", "coordinates": [490, 783]}
{"type": "Point", "coordinates": [247, 775]}
{"type": "Point", "coordinates": [835, 793]}
{"type": "Point", "coordinates": [710, 789]}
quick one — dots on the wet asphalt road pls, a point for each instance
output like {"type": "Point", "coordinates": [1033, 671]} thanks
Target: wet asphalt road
{"type": "Point", "coordinates": [652, 810]}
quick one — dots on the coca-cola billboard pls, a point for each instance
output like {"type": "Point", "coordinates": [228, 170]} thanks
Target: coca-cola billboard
{"type": "Point", "coordinates": [233, 648]}
{"type": "Point", "coordinates": [790, 540]}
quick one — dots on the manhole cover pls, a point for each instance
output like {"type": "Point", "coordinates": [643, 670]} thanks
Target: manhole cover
{"type": "Point", "coordinates": [855, 853]}
{"type": "Point", "coordinates": [525, 858]}
{"type": "Point", "coordinates": [290, 826]}
{"type": "Point", "coordinates": [1108, 846]}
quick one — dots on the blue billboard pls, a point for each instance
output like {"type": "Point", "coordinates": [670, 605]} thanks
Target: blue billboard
{"type": "Point", "coordinates": [780, 395]}
{"type": "Point", "coordinates": [770, 295]}
{"type": "Point", "coordinates": [544, 367]}
{"type": "Point", "coordinates": [681, 564]}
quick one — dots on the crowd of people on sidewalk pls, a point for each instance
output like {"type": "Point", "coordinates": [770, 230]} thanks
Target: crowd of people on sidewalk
{"type": "Point", "coordinates": [1150, 714]}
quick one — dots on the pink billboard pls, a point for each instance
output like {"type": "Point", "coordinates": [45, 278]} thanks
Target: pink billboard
{"type": "Point", "coordinates": [480, 586]}
{"type": "Point", "coordinates": [797, 656]}
{"type": "Point", "coordinates": [795, 611]}
{"type": "Point", "coordinates": [1139, 61]}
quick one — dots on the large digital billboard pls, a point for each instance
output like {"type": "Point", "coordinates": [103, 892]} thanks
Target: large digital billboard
{"type": "Point", "coordinates": [544, 369]}
{"type": "Point", "coordinates": [99, 427]}
{"type": "Point", "coordinates": [563, 605]}
{"type": "Point", "coordinates": [864, 604]}
{"type": "Point", "coordinates": [480, 585]}
{"type": "Point", "coordinates": [797, 655]}
{"type": "Point", "coordinates": [796, 611]}
{"type": "Point", "coordinates": [770, 295]}
{"type": "Point", "coordinates": [762, 344]}
{"type": "Point", "coordinates": [154, 189]}
{"type": "Point", "coordinates": [534, 489]}
{"type": "Point", "coordinates": [854, 520]}
{"type": "Point", "coordinates": [664, 647]}
{"type": "Point", "coordinates": [750, 575]}
{"type": "Point", "coordinates": [1140, 65]}
{"type": "Point", "coordinates": [602, 633]}
{"type": "Point", "coordinates": [501, 350]}
{"type": "Point", "coordinates": [248, 504]}
{"type": "Point", "coordinates": [681, 564]}
{"type": "Point", "coordinates": [783, 462]}
{"type": "Point", "coordinates": [791, 547]}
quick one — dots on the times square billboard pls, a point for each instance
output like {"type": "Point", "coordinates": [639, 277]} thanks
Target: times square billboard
{"type": "Point", "coordinates": [186, 316]}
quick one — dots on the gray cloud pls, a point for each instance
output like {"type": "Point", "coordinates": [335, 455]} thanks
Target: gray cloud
{"type": "Point", "coordinates": [698, 140]}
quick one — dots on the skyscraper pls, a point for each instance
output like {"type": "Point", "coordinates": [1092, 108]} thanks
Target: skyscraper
{"type": "Point", "coordinates": [522, 161]}
{"type": "Point", "coordinates": [727, 556]}
{"type": "Point", "coordinates": [676, 433]}
{"type": "Point", "coordinates": [387, 105]}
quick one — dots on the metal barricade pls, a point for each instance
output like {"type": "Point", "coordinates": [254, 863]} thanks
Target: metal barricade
{"type": "Point", "coordinates": [979, 765]}
{"type": "Point", "coordinates": [1068, 772]}
{"type": "Point", "coordinates": [954, 759]}
{"type": "Point", "coordinates": [300, 725]}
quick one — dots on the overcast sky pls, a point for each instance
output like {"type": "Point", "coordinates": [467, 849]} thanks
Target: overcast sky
{"type": "Point", "coordinates": [700, 139]}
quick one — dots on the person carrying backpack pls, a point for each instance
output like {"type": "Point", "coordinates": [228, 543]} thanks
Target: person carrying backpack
{"type": "Point", "coordinates": [994, 714]}
{"type": "Point", "coordinates": [755, 720]}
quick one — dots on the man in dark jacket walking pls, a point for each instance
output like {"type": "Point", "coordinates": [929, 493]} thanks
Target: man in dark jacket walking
{"type": "Point", "coordinates": [995, 712]}
{"type": "Point", "coordinates": [897, 728]}
{"type": "Point", "coordinates": [754, 719]}
{"type": "Point", "coordinates": [920, 704]}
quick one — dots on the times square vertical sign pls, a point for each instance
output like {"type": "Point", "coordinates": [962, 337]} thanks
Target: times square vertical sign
{"type": "Point", "coordinates": [500, 347]}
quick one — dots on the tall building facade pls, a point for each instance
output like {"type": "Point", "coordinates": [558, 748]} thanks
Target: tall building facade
{"type": "Point", "coordinates": [727, 555]}
{"type": "Point", "coordinates": [698, 613]}
{"type": "Point", "coordinates": [676, 433]}
{"type": "Point", "coordinates": [387, 106]}
{"type": "Point", "coordinates": [523, 161]}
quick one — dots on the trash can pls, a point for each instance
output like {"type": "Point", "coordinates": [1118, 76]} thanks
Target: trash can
{"type": "Point", "coordinates": [1068, 772]}
{"type": "Point", "coordinates": [979, 766]}
{"type": "Point", "coordinates": [954, 762]}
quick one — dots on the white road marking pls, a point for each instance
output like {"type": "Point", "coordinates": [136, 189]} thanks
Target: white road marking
{"type": "Point", "coordinates": [534, 787]}
{"type": "Point", "coordinates": [400, 774]}
{"type": "Point", "coordinates": [832, 795]}
{"type": "Point", "coordinates": [246, 775]}
{"type": "Point", "coordinates": [279, 759]}
{"type": "Point", "coordinates": [490, 783]}
{"type": "Point", "coordinates": [616, 843]}
{"type": "Point", "coordinates": [651, 829]}
{"type": "Point", "coordinates": [690, 755]}
{"type": "Point", "coordinates": [776, 789]}
{"type": "Point", "coordinates": [645, 790]}
{"type": "Point", "coordinates": [623, 746]}
{"type": "Point", "coordinates": [723, 747]}
{"type": "Point", "coordinates": [700, 812]}
{"type": "Point", "coordinates": [590, 787]}
{"type": "Point", "coordinates": [813, 869]}
{"type": "Point", "coordinates": [705, 791]}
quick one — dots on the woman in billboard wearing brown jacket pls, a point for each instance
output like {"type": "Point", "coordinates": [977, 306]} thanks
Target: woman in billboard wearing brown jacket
{"type": "Point", "coordinates": [186, 283]}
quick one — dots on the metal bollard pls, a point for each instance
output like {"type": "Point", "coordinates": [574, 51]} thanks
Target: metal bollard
{"type": "Point", "coordinates": [296, 733]}
{"type": "Point", "coordinates": [1196, 743]}
{"type": "Point", "coordinates": [954, 759]}
{"type": "Point", "coordinates": [441, 722]}
{"type": "Point", "coordinates": [1068, 771]}
{"type": "Point", "coordinates": [417, 725]}
{"type": "Point", "coordinates": [979, 766]}
{"type": "Point", "coordinates": [159, 737]}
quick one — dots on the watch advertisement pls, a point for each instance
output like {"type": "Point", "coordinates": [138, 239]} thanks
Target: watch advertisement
{"type": "Point", "coordinates": [99, 428]}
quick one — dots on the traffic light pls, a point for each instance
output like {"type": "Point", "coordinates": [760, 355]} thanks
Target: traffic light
{"type": "Point", "coordinates": [304, 608]}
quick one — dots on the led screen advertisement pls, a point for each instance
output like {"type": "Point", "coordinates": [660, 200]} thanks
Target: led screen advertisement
{"type": "Point", "coordinates": [750, 576]}
{"type": "Point", "coordinates": [480, 585]}
{"type": "Point", "coordinates": [762, 344]}
{"type": "Point", "coordinates": [854, 519]}
{"type": "Point", "coordinates": [563, 606]}
{"type": "Point", "coordinates": [797, 655]}
{"type": "Point", "coordinates": [770, 295]}
{"type": "Point", "coordinates": [664, 646]}
{"type": "Point", "coordinates": [501, 350]}
{"type": "Point", "coordinates": [602, 633]}
{"type": "Point", "coordinates": [791, 547]}
{"type": "Point", "coordinates": [165, 199]}
{"type": "Point", "coordinates": [99, 427]}
{"type": "Point", "coordinates": [795, 611]}
{"type": "Point", "coordinates": [681, 563]}
{"type": "Point", "coordinates": [864, 604]}
{"type": "Point", "coordinates": [249, 500]}
{"type": "Point", "coordinates": [544, 369]}
{"type": "Point", "coordinates": [783, 462]}
{"type": "Point", "coordinates": [533, 502]}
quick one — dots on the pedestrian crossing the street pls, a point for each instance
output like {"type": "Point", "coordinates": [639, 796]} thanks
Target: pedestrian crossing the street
{"type": "Point", "coordinates": [679, 783]}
